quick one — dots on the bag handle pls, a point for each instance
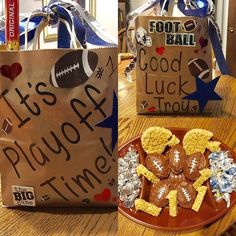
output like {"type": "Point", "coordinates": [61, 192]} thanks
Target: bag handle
{"type": "Point", "coordinates": [131, 17]}
{"type": "Point", "coordinates": [75, 24]}
{"type": "Point", "coordinates": [91, 24]}
{"type": "Point", "coordinates": [47, 19]}
{"type": "Point", "coordinates": [206, 8]}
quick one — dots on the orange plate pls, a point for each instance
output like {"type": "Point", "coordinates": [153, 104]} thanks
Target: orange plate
{"type": "Point", "coordinates": [186, 219]}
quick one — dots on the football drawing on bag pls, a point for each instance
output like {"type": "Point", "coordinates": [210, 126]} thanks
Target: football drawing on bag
{"type": "Point", "coordinates": [189, 25]}
{"type": "Point", "coordinates": [199, 68]}
{"type": "Point", "coordinates": [7, 126]}
{"type": "Point", "coordinates": [73, 69]}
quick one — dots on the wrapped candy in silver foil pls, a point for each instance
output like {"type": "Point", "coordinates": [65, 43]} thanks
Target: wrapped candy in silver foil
{"type": "Point", "coordinates": [128, 181]}
{"type": "Point", "coordinates": [223, 179]}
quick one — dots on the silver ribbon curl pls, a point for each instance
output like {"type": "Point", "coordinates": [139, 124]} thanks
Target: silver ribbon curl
{"type": "Point", "coordinates": [130, 42]}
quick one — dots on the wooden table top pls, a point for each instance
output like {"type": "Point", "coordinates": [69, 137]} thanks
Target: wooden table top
{"type": "Point", "coordinates": [226, 88]}
{"type": "Point", "coordinates": [58, 221]}
{"type": "Point", "coordinates": [223, 129]}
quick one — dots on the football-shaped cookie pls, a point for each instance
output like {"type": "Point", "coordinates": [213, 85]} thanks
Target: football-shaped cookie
{"type": "Point", "coordinates": [158, 165]}
{"type": "Point", "coordinates": [7, 126]}
{"type": "Point", "coordinates": [158, 193]}
{"type": "Point", "coordinates": [199, 68]}
{"type": "Point", "coordinates": [189, 25]}
{"type": "Point", "coordinates": [174, 180]}
{"type": "Point", "coordinates": [186, 194]}
{"type": "Point", "coordinates": [73, 69]}
{"type": "Point", "coordinates": [194, 163]}
{"type": "Point", "coordinates": [177, 157]}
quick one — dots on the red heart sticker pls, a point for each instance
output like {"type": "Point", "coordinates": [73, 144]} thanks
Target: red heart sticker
{"type": "Point", "coordinates": [160, 50]}
{"type": "Point", "coordinates": [12, 71]}
{"type": "Point", "coordinates": [104, 196]}
{"type": "Point", "coordinates": [152, 109]}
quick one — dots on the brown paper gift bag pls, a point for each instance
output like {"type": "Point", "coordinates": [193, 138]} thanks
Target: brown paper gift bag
{"type": "Point", "coordinates": [53, 150]}
{"type": "Point", "coordinates": [58, 120]}
{"type": "Point", "coordinates": [171, 52]}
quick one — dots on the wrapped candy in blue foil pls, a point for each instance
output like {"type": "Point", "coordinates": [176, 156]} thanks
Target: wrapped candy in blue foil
{"type": "Point", "coordinates": [223, 179]}
{"type": "Point", "coordinates": [128, 181]}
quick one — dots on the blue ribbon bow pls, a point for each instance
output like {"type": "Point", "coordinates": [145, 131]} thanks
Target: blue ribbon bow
{"type": "Point", "coordinates": [200, 10]}
{"type": "Point", "coordinates": [56, 11]}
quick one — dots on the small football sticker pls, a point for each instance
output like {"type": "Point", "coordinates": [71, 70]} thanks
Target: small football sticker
{"type": "Point", "coordinates": [7, 126]}
{"type": "Point", "coordinates": [73, 69]}
{"type": "Point", "coordinates": [143, 105]}
{"type": "Point", "coordinates": [111, 181]}
{"type": "Point", "coordinates": [45, 198]}
{"type": "Point", "coordinates": [189, 25]}
{"type": "Point", "coordinates": [199, 68]}
{"type": "Point", "coordinates": [86, 201]}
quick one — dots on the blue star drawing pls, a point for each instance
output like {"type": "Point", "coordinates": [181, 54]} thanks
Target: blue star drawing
{"type": "Point", "coordinates": [112, 121]}
{"type": "Point", "coordinates": [205, 92]}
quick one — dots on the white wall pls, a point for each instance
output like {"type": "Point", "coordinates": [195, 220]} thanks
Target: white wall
{"type": "Point", "coordinates": [107, 15]}
{"type": "Point", "coordinates": [30, 5]}
{"type": "Point", "coordinates": [1, 8]}
{"type": "Point", "coordinates": [136, 3]}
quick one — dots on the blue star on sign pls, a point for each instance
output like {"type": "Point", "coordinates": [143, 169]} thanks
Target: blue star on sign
{"type": "Point", "coordinates": [112, 121]}
{"type": "Point", "coordinates": [205, 92]}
